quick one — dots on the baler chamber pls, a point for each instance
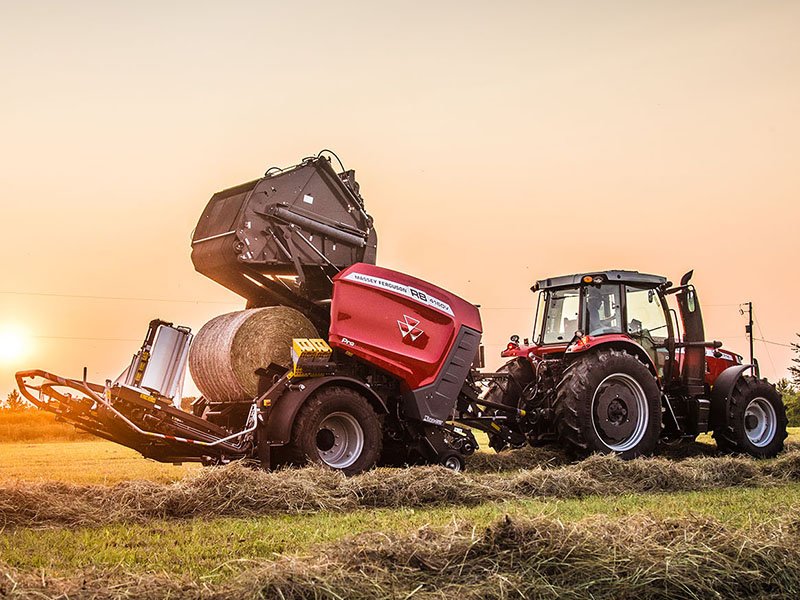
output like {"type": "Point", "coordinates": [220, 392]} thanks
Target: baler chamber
{"type": "Point", "coordinates": [280, 239]}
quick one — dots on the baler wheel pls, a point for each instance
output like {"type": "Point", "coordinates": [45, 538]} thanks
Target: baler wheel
{"type": "Point", "coordinates": [755, 420]}
{"type": "Point", "coordinates": [337, 427]}
{"type": "Point", "coordinates": [453, 461]}
{"type": "Point", "coordinates": [608, 401]}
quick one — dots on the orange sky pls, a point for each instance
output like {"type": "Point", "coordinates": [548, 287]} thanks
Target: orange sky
{"type": "Point", "coordinates": [495, 143]}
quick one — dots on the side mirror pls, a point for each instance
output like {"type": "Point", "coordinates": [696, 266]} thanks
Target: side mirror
{"type": "Point", "coordinates": [687, 277]}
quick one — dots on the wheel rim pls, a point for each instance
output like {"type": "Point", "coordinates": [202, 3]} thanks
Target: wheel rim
{"type": "Point", "coordinates": [452, 463]}
{"type": "Point", "coordinates": [620, 412]}
{"type": "Point", "coordinates": [760, 422]}
{"type": "Point", "coordinates": [339, 440]}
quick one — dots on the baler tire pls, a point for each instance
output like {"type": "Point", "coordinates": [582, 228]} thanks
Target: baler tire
{"type": "Point", "coordinates": [453, 461]}
{"type": "Point", "coordinates": [577, 394]}
{"type": "Point", "coordinates": [336, 416]}
{"type": "Point", "coordinates": [758, 399]}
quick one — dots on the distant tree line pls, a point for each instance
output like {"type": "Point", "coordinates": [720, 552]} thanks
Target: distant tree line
{"type": "Point", "coordinates": [14, 402]}
{"type": "Point", "coordinates": [790, 388]}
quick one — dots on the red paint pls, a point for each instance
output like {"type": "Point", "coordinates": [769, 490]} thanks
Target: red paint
{"type": "Point", "coordinates": [369, 319]}
{"type": "Point", "coordinates": [525, 351]}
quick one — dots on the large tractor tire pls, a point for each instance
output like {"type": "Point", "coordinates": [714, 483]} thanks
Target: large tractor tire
{"type": "Point", "coordinates": [608, 401]}
{"type": "Point", "coordinates": [509, 391]}
{"type": "Point", "coordinates": [755, 420]}
{"type": "Point", "coordinates": [337, 427]}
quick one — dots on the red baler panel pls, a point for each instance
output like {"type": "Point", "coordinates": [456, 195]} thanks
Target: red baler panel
{"type": "Point", "coordinates": [397, 322]}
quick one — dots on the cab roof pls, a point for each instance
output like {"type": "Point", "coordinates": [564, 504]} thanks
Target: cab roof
{"type": "Point", "coordinates": [626, 277]}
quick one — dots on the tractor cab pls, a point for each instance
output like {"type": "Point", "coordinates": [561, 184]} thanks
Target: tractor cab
{"type": "Point", "coordinates": [627, 309]}
{"type": "Point", "coordinates": [575, 312]}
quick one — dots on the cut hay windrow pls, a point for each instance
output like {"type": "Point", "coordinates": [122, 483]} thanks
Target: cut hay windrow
{"type": "Point", "coordinates": [238, 490]}
{"type": "Point", "coordinates": [639, 557]}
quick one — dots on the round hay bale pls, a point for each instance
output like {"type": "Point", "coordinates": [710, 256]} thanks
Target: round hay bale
{"type": "Point", "coordinates": [229, 348]}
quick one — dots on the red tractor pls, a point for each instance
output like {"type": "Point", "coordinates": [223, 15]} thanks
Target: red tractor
{"type": "Point", "coordinates": [612, 367]}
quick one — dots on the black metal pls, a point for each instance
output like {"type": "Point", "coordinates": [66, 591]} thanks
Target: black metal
{"type": "Point", "coordinates": [723, 386]}
{"type": "Point", "coordinates": [693, 366]}
{"type": "Point", "coordinates": [749, 330]}
{"type": "Point", "coordinates": [280, 239]}
{"type": "Point", "coordinates": [435, 403]}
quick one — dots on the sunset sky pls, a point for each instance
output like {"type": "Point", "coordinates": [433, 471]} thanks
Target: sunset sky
{"type": "Point", "coordinates": [496, 143]}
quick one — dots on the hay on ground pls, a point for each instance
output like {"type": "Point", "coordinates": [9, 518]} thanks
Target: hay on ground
{"type": "Point", "coordinates": [239, 490]}
{"type": "Point", "coordinates": [639, 557]}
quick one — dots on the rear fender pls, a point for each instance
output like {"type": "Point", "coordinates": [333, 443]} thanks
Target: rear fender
{"type": "Point", "coordinates": [287, 405]}
{"type": "Point", "coordinates": [618, 342]}
{"type": "Point", "coordinates": [723, 386]}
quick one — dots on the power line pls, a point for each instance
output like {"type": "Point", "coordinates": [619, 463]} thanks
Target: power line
{"type": "Point", "coordinates": [773, 343]}
{"type": "Point", "coordinates": [89, 297]}
{"type": "Point", "coordinates": [769, 356]}
{"type": "Point", "coordinates": [93, 339]}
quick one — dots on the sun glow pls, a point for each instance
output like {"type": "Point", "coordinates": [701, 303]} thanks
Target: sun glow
{"type": "Point", "coordinates": [14, 343]}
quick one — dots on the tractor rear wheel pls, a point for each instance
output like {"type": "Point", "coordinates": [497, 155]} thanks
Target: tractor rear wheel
{"type": "Point", "coordinates": [755, 420]}
{"type": "Point", "coordinates": [337, 427]}
{"type": "Point", "coordinates": [608, 401]}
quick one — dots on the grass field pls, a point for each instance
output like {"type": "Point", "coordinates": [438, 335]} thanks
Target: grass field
{"type": "Point", "coordinates": [227, 554]}
{"type": "Point", "coordinates": [85, 461]}
{"type": "Point", "coordinates": [32, 425]}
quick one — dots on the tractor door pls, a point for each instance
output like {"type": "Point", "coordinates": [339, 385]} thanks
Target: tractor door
{"type": "Point", "coordinates": [647, 322]}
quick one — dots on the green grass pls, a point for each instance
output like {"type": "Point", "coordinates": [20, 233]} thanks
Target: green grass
{"type": "Point", "coordinates": [217, 547]}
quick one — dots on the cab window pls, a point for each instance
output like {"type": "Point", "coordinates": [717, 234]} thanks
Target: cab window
{"type": "Point", "coordinates": [562, 317]}
{"type": "Point", "coordinates": [603, 309]}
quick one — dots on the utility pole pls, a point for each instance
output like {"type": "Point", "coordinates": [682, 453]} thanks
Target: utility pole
{"type": "Point", "coordinates": [749, 330]}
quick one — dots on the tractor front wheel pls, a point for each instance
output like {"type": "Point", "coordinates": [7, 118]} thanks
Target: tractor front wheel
{"type": "Point", "coordinates": [755, 420]}
{"type": "Point", "coordinates": [608, 401]}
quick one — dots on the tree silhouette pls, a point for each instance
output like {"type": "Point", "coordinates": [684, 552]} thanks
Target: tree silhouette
{"type": "Point", "coordinates": [794, 368]}
{"type": "Point", "coordinates": [14, 401]}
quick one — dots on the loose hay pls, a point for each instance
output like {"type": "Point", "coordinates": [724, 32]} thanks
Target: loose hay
{"type": "Point", "coordinates": [238, 490]}
{"type": "Point", "coordinates": [229, 348]}
{"type": "Point", "coordinates": [638, 557]}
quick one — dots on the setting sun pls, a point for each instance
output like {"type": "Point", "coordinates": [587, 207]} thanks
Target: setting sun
{"type": "Point", "coordinates": [14, 344]}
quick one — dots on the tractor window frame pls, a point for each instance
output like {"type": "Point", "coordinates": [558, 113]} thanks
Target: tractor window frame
{"type": "Point", "coordinates": [538, 318]}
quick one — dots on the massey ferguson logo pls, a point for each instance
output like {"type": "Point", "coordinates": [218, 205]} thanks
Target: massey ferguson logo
{"type": "Point", "coordinates": [409, 329]}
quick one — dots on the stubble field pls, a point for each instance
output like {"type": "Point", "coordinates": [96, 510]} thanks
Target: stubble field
{"type": "Point", "coordinates": [81, 519]}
